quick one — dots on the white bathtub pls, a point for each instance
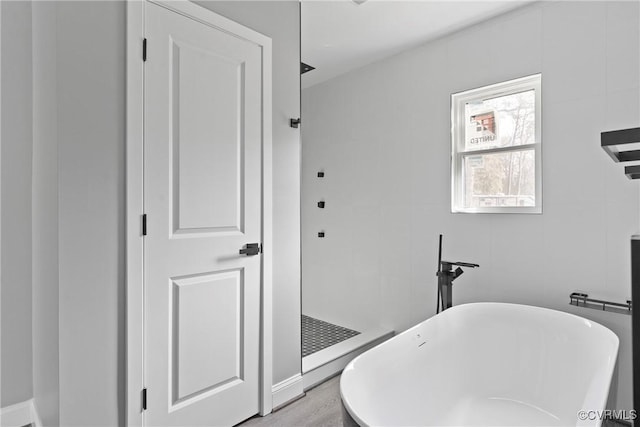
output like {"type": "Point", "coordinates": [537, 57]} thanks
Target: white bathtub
{"type": "Point", "coordinates": [484, 364]}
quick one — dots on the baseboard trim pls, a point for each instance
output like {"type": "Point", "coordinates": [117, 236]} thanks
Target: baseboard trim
{"type": "Point", "coordinates": [20, 414]}
{"type": "Point", "coordinates": [287, 390]}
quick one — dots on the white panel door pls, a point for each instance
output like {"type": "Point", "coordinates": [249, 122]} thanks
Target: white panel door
{"type": "Point", "coordinates": [202, 195]}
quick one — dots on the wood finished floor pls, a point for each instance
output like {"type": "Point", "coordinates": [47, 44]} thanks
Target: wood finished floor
{"type": "Point", "coordinates": [320, 407]}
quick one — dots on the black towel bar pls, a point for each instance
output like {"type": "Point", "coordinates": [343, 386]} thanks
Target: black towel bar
{"type": "Point", "coordinates": [582, 299]}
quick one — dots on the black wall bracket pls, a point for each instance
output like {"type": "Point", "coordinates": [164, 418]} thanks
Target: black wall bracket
{"type": "Point", "coordinates": [295, 123]}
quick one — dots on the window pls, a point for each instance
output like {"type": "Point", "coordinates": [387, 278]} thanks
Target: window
{"type": "Point", "coordinates": [496, 148]}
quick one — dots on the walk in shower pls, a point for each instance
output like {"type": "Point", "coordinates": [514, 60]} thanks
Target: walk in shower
{"type": "Point", "coordinates": [339, 317]}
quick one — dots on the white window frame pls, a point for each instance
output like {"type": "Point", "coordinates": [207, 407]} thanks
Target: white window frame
{"type": "Point", "coordinates": [458, 152]}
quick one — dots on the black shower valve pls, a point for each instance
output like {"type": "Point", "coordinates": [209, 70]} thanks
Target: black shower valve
{"type": "Point", "coordinates": [321, 204]}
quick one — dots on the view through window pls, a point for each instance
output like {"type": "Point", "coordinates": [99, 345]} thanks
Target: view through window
{"type": "Point", "coordinates": [496, 148]}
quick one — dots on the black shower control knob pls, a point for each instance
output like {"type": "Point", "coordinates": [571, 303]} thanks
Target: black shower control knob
{"type": "Point", "coordinates": [320, 174]}
{"type": "Point", "coordinates": [321, 204]}
{"type": "Point", "coordinates": [321, 234]}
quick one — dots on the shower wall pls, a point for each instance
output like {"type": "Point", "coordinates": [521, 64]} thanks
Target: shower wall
{"type": "Point", "coordinates": [381, 134]}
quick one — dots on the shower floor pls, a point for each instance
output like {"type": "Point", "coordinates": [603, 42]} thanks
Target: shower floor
{"type": "Point", "coordinates": [318, 335]}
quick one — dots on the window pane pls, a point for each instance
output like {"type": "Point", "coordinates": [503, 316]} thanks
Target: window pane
{"type": "Point", "coordinates": [499, 179]}
{"type": "Point", "coordinates": [504, 121]}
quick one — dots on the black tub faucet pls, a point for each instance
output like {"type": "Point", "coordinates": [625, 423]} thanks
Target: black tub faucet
{"type": "Point", "coordinates": [446, 275]}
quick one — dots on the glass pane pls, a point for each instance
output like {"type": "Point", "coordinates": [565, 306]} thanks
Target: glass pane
{"type": "Point", "coordinates": [504, 121]}
{"type": "Point", "coordinates": [499, 179]}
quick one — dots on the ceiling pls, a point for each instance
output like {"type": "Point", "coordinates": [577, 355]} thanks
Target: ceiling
{"type": "Point", "coordinates": [339, 35]}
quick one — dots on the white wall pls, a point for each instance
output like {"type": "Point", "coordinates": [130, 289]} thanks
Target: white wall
{"type": "Point", "coordinates": [382, 135]}
{"type": "Point", "coordinates": [280, 20]}
{"type": "Point", "coordinates": [17, 383]}
{"type": "Point", "coordinates": [90, 43]}
{"type": "Point", "coordinates": [45, 214]}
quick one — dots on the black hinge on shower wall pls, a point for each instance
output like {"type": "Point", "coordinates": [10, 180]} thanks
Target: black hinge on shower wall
{"type": "Point", "coordinates": [144, 224]}
{"type": "Point", "coordinates": [144, 49]}
{"type": "Point", "coordinates": [144, 399]}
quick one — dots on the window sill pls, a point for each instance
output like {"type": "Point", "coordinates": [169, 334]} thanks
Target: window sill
{"type": "Point", "coordinates": [500, 210]}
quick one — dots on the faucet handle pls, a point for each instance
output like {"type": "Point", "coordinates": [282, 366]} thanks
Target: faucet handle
{"type": "Point", "coordinates": [466, 264]}
{"type": "Point", "coordinates": [448, 264]}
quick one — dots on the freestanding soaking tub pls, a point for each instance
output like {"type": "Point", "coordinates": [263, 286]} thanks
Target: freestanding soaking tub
{"type": "Point", "coordinates": [490, 364]}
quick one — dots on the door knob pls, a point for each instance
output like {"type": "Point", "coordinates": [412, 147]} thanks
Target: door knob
{"type": "Point", "coordinates": [250, 249]}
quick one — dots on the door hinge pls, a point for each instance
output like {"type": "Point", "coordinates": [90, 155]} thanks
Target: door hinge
{"type": "Point", "coordinates": [144, 49]}
{"type": "Point", "coordinates": [261, 248]}
{"type": "Point", "coordinates": [144, 224]}
{"type": "Point", "coordinates": [144, 399]}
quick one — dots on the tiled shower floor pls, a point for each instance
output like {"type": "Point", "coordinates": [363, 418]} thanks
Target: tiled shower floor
{"type": "Point", "coordinates": [318, 335]}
